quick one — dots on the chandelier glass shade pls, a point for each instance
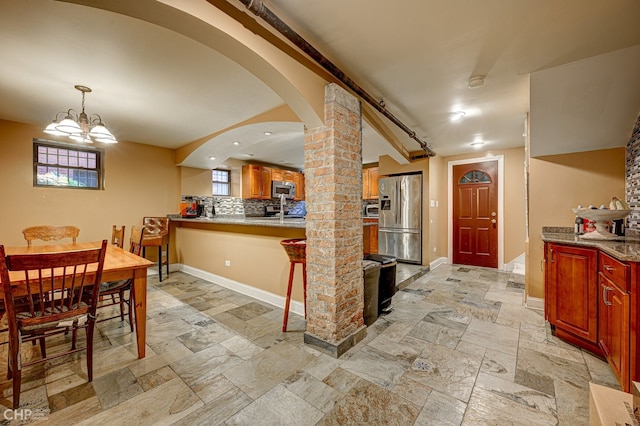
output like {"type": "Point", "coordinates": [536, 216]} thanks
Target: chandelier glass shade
{"type": "Point", "coordinates": [80, 127]}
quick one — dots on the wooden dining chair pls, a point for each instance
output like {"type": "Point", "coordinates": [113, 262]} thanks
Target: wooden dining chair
{"type": "Point", "coordinates": [53, 284]}
{"type": "Point", "coordinates": [120, 292]}
{"type": "Point", "coordinates": [49, 233]}
{"type": "Point", "coordinates": [117, 236]}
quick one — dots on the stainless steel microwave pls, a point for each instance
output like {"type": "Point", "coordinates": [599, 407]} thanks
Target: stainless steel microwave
{"type": "Point", "coordinates": [287, 189]}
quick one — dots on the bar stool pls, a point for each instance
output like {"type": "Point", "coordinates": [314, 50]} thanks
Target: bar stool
{"type": "Point", "coordinates": [296, 250]}
{"type": "Point", "coordinates": [156, 234]}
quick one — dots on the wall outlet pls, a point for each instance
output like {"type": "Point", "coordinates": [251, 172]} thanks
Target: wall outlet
{"type": "Point", "coordinates": [227, 263]}
{"type": "Point", "coordinates": [434, 249]}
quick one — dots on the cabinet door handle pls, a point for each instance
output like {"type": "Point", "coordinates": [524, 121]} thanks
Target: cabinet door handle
{"type": "Point", "coordinates": [605, 290]}
{"type": "Point", "coordinates": [608, 268]}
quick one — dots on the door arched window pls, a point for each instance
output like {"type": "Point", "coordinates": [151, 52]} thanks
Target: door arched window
{"type": "Point", "coordinates": [475, 176]}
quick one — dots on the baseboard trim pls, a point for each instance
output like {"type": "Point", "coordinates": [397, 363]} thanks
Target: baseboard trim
{"type": "Point", "coordinates": [439, 261]}
{"type": "Point", "coordinates": [534, 303]}
{"type": "Point", "coordinates": [516, 265]}
{"type": "Point", "coordinates": [247, 290]}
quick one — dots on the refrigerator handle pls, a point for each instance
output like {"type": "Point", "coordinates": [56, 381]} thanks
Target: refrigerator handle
{"type": "Point", "coordinates": [398, 186]}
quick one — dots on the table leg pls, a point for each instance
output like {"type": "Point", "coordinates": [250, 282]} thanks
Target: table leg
{"type": "Point", "coordinates": [140, 299]}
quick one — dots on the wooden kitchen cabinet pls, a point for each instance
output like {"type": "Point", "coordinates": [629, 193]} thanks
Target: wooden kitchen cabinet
{"type": "Point", "coordinates": [571, 301]}
{"type": "Point", "coordinates": [370, 177]}
{"type": "Point", "coordinates": [283, 175]}
{"type": "Point", "coordinates": [613, 316]}
{"type": "Point", "coordinates": [370, 236]}
{"type": "Point", "coordinates": [298, 179]}
{"type": "Point", "coordinates": [256, 182]}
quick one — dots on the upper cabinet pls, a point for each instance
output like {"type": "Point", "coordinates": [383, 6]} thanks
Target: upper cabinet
{"type": "Point", "coordinates": [283, 175]}
{"type": "Point", "coordinates": [370, 179]}
{"type": "Point", "coordinates": [288, 176]}
{"type": "Point", "coordinates": [298, 179]}
{"type": "Point", "coordinates": [256, 182]}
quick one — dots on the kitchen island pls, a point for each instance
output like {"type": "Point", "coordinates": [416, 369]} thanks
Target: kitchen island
{"type": "Point", "coordinates": [592, 297]}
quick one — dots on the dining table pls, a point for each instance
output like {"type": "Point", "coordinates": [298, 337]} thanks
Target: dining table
{"type": "Point", "coordinates": [119, 264]}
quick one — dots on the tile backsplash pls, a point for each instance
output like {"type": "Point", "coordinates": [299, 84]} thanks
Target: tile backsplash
{"type": "Point", "coordinates": [632, 183]}
{"type": "Point", "coordinates": [237, 206]}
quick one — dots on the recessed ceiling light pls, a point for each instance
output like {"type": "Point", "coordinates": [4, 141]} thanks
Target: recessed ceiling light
{"type": "Point", "coordinates": [236, 143]}
{"type": "Point", "coordinates": [212, 157]}
{"type": "Point", "coordinates": [267, 133]}
{"type": "Point", "coordinates": [477, 144]}
{"type": "Point", "coordinates": [457, 116]}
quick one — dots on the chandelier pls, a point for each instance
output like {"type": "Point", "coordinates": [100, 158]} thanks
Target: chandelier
{"type": "Point", "coordinates": [81, 127]}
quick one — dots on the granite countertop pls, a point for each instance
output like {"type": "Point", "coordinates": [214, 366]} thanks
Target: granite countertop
{"type": "Point", "coordinates": [246, 220]}
{"type": "Point", "coordinates": [250, 221]}
{"type": "Point", "coordinates": [626, 249]}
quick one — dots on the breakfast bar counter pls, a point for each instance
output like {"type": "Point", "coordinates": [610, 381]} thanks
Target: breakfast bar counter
{"type": "Point", "coordinates": [242, 253]}
{"type": "Point", "coordinates": [242, 220]}
{"type": "Point", "coordinates": [257, 221]}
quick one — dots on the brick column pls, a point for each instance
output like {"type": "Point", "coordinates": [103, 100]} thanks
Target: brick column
{"type": "Point", "coordinates": [333, 191]}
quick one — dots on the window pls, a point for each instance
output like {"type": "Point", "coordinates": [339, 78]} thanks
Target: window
{"type": "Point", "coordinates": [67, 166]}
{"type": "Point", "coordinates": [221, 184]}
{"type": "Point", "coordinates": [475, 176]}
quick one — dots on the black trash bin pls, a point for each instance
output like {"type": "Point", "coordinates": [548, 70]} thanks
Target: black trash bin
{"type": "Point", "coordinates": [387, 282]}
{"type": "Point", "coordinates": [371, 287]}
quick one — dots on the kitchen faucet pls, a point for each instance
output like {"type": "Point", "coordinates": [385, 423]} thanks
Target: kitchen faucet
{"type": "Point", "coordinates": [281, 208]}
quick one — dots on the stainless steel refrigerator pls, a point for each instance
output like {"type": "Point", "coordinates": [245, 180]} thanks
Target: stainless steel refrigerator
{"type": "Point", "coordinates": [400, 217]}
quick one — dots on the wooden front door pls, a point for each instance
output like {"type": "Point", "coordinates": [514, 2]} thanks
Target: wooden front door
{"type": "Point", "coordinates": [475, 214]}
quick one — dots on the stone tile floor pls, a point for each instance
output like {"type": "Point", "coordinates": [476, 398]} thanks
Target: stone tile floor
{"type": "Point", "coordinates": [458, 348]}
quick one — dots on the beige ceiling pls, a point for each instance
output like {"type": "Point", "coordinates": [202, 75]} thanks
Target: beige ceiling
{"type": "Point", "coordinates": [152, 85]}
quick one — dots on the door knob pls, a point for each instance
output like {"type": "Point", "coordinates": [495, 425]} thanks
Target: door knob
{"type": "Point", "coordinates": [493, 214]}
{"type": "Point", "coordinates": [493, 221]}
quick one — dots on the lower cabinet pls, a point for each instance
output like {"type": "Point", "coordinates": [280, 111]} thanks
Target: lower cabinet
{"type": "Point", "coordinates": [614, 316]}
{"type": "Point", "coordinates": [589, 302]}
{"type": "Point", "coordinates": [571, 293]}
{"type": "Point", "coordinates": [370, 233]}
